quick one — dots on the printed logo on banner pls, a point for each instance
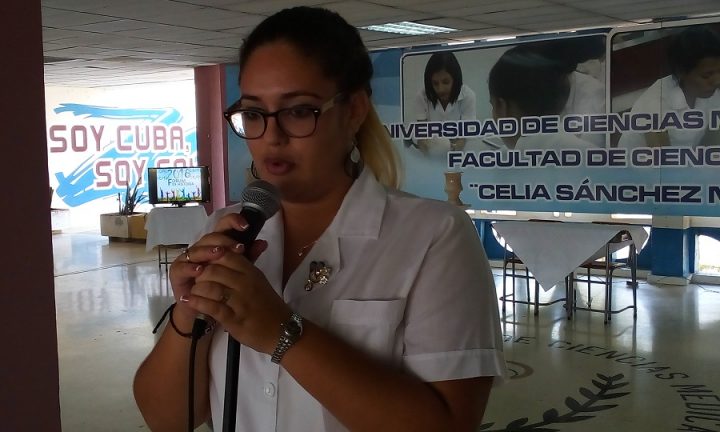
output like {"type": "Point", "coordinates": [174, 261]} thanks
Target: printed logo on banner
{"type": "Point", "coordinates": [598, 393]}
{"type": "Point", "coordinates": [116, 146]}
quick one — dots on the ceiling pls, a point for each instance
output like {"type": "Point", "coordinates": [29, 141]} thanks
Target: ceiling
{"type": "Point", "coordinates": [90, 43]}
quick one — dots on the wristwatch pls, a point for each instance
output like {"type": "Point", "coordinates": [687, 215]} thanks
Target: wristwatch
{"type": "Point", "coordinates": [290, 332]}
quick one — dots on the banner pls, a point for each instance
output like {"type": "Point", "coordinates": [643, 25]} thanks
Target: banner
{"type": "Point", "coordinates": [540, 126]}
{"type": "Point", "coordinates": [102, 140]}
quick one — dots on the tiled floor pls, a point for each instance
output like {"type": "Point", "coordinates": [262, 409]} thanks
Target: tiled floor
{"type": "Point", "coordinates": [658, 373]}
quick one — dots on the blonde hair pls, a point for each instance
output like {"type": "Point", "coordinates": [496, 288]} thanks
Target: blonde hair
{"type": "Point", "coordinates": [377, 150]}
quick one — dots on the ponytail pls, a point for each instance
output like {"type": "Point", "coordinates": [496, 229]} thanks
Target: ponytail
{"type": "Point", "coordinates": [378, 152]}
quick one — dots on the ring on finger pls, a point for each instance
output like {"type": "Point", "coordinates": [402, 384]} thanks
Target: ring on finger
{"type": "Point", "coordinates": [186, 253]}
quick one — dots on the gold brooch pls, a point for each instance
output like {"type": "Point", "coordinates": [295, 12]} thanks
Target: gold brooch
{"type": "Point", "coordinates": [319, 273]}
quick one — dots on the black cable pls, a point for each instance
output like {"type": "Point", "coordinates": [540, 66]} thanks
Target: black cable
{"type": "Point", "coordinates": [232, 374]}
{"type": "Point", "coordinates": [198, 331]}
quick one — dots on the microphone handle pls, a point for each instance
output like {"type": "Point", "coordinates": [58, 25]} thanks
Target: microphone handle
{"type": "Point", "coordinates": [255, 220]}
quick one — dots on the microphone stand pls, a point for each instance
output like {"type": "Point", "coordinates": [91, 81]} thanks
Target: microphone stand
{"type": "Point", "coordinates": [255, 220]}
{"type": "Point", "coordinates": [231, 384]}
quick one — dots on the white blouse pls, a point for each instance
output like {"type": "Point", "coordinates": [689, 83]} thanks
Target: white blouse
{"type": "Point", "coordinates": [587, 96]}
{"type": "Point", "coordinates": [463, 109]}
{"type": "Point", "coordinates": [410, 284]}
{"type": "Point", "coordinates": [665, 95]}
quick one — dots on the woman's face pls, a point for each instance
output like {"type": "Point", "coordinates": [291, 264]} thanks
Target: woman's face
{"type": "Point", "coordinates": [703, 80]}
{"type": "Point", "coordinates": [442, 83]}
{"type": "Point", "coordinates": [277, 76]}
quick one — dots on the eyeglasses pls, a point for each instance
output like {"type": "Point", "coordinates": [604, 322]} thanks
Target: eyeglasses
{"type": "Point", "coordinates": [297, 122]}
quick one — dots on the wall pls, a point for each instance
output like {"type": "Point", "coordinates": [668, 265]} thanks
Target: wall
{"type": "Point", "coordinates": [211, 142]}
{"type": "Point", "coordinates": [29, 393]}
{"type": "Point", "coordinates": [238, 156]}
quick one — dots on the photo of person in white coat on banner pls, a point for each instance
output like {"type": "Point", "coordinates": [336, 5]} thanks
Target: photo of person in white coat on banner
{"type": "Point", "coordinates": [584, 58]}
{"type": "Point", "coordinates": [693, 58]}
{"type": "Point", "coordinates": [526, 83]}
{"type": "Point", "coordinates": [444, 97]}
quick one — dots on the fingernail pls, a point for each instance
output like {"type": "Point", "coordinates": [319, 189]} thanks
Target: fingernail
{"type": "Point", "coordinates": [184, 298]}
{"type": "Point", "coordinates": [239, 247]}
{"type": "Point", "coordinates": [244, 226]}
{"type": "Point", "coordinates": [198, 268]}
{"type": "Point", "coordinates": [216, 249]}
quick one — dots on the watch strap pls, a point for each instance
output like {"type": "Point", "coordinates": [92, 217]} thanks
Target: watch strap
{"type": "Point", "coordinates": [286, 341]}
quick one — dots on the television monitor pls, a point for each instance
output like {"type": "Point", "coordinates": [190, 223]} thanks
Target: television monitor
{"type": "Point", "coordinates": [178, 185]}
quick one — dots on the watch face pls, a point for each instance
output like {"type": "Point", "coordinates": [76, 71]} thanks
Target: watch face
{"type": "Point", "coordinates": [292, 329]}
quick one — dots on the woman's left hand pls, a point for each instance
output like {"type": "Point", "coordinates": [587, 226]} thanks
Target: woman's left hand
{"type": "Point", "coordinates": [239, 297]}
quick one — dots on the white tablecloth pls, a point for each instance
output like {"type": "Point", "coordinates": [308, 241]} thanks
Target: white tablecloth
{"type": "Point", "coordinates": [174, 225]}
{"type": "Point", "coordinates": [551, 250]}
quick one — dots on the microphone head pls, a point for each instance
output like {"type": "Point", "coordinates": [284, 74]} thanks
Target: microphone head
{"type": "Point", "coordinates": [262, 196]}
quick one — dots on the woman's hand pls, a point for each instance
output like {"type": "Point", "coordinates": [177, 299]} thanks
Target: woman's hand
{"type": "Point", "coordinates": [239, 297]}
{"type": "Point", "coordinates": [192, 262]}
{"type": "Point", "coordinates": [216, 278]}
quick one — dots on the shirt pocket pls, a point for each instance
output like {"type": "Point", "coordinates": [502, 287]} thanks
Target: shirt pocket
{"type": "Point", "coordinates": [370, 325]}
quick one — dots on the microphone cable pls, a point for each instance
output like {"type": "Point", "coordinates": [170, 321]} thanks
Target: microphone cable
{"type": "Point", "coordinates": [201, 326]}
{"type": "Point", "coordinates": [200, 329]}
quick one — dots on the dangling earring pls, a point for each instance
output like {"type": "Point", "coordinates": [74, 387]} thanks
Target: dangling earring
{"type": "Point", "coordinates": [355, 155]}
{"type": "Point", "coordinates": [353, 163]}
{"type": "Point", "coordinates": [253, 171]}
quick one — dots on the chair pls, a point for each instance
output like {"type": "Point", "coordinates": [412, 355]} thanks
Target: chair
{"type": "Point", "coordinates": [603, 261]}
{"type": "Point", "coordinates": [511, 267]}
{"type": "Point", "coordinates": [166, 262]}
{"type": "Point", "coordinates": [511, 261]}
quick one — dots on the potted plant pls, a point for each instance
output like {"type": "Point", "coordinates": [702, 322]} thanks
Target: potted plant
{"type": "Point", "coordinates": [126, 223]}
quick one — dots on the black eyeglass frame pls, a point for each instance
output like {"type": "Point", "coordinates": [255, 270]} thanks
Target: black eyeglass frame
{"type": "Point", "coordinates": [317, 112]}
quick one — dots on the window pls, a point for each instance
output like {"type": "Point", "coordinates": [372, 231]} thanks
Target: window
{"type": "Point", "coordinates": [708, 255]}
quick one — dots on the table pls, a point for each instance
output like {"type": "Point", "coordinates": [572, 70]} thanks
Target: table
{"type": "Point", "coordinates": [173, 226]}
{"type": "Point", "coordinates": [553, 250]}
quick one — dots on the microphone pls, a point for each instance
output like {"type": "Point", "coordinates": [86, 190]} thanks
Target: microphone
{"type": "Point", "coordinates": [260, 201]}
